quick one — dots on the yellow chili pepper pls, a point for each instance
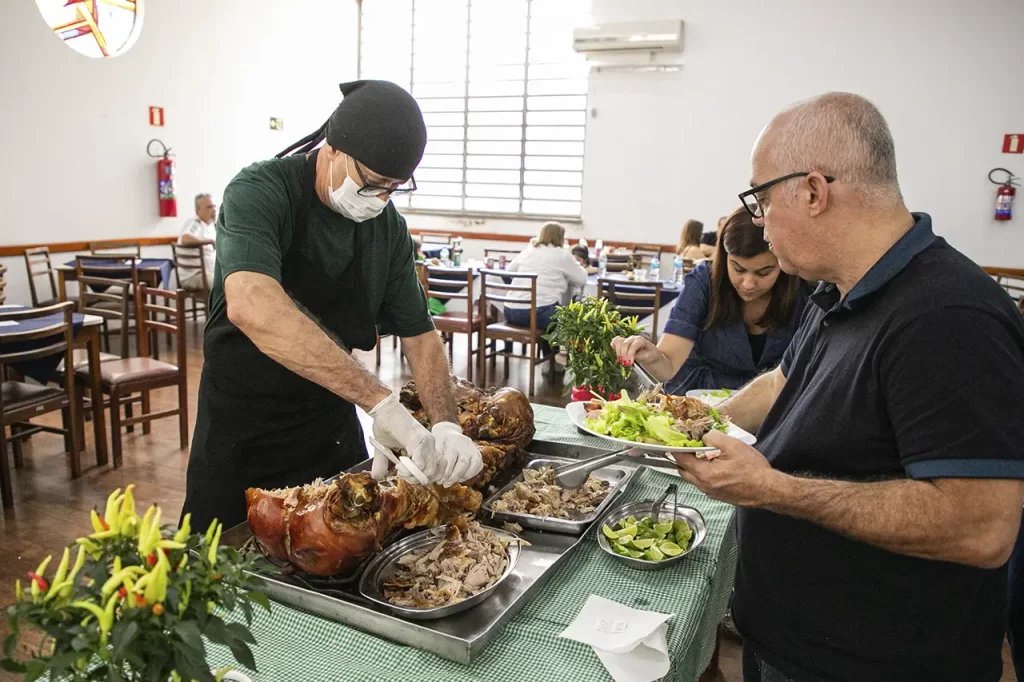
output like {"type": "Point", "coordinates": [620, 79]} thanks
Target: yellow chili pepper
{"type": "Point", "coordinates": [39, 578]}
{"type": "Point", "coordinates": [212, 554]}
{"type": "Point", "coordinates": [97, 522]}
{"type": "Point", "coordinates": [79, 562]}
{"type": "Point", "coordinates": [18, 593]}
{"type": "Point", "coordinates": [62, 568]}
{"type": "Point", "coordinates": [210, 531]}
{"type": "Point", "coordinates": [185, 530]}
{"type": "Point", "coordinates": [110, 514]}
{"type": "Point", "coordinates": [119, 578]}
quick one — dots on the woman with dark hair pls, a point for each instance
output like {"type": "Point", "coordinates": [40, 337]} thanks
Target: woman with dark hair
{"type": "Point", "coordinates": [733, 320]}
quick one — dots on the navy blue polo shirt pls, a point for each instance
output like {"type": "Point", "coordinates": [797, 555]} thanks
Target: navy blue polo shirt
{"type": "Point", "coordinates": [918, 373]}
{"type": "Point", "coordinates": [722, 356]}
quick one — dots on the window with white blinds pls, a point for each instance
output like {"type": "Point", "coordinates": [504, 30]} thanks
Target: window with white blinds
{"type": "Point", "coordinates": [503, 94]}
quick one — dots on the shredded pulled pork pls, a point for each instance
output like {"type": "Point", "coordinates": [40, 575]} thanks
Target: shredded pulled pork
{"type": "Point", "coordinates": [468, 560]}
{"type": "Point", "coordinates": [538, 495]}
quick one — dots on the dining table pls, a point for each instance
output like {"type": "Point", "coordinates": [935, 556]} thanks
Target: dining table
{"type": "Point", "coordinates": [670, 291]}
{"type": "Point", "coordinates": [153, 272]}
{"type": "Point", "coordinates": [293, 644]}
{"type": "Point", "coordinates": [87, 336]}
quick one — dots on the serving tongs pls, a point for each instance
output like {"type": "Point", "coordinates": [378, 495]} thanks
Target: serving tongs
{"type": "Point", "coordinates": [575, 475]}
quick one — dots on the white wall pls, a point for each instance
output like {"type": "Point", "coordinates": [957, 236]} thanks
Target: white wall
{"type": "Point", "coordinates": [946, 75]}
{"type": "Point", "coordinates": [74, 130]}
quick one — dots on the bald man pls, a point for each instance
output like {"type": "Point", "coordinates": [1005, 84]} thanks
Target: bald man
{"type": "Point", "coordinates": [884, 497]}
{"type": "Point", "coordinates": [200, 230]}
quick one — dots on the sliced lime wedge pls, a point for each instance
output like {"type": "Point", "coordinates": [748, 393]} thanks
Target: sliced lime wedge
{"type": "Point", "coordinates": [663, 527]}
{"type": "Point", "coordinates": [642, 544]}
{"type": "Point", "coordinates": [624, 540]}
{"type": "Point", "coordinates": [670, 548]}
{"type": "Point", "coordinates": [608, 532]}
{"type": "Point", "coordinates": [619, 549]}
{"type": "Point", "coordinates": [636, 554]}
{"type": "Point", "coordinates": [626, 530]}
{"type": "Point", "coordinates": [654, 554]}
{"type": "Point", "coordinates": [679, 525]}
{"type": "Point", "coordinates": [629, 521]}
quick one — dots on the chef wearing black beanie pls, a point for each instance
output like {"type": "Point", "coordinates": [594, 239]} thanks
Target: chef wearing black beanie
{"type": "Point", "coordinates": [313, 261]}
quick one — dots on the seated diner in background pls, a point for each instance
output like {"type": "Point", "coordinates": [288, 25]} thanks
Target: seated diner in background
{"type": "Point", "coordinates": [733, 320]}
{"type": "Point", "coordinates": [200, 230]}
{"type": "Point", "coordinates": [558, 275]}
{"type": "Point", "coordinates": [691, 242]}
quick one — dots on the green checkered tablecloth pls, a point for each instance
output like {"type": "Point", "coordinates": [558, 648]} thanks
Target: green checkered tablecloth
{"type": "Point", "coordinates": [295, 645]}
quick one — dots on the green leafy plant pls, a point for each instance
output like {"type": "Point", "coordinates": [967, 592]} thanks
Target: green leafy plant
{"type": "Point", "coordinates": [136, 603]}
{"type": "Point", "coordinates": [586, 329]}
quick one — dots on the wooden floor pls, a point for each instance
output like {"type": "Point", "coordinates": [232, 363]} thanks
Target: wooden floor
{"type": "Point", "coordinates": [51, 510]}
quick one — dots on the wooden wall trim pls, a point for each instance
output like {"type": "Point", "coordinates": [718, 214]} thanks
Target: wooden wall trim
{"type": "Point", "coordinates": [1005, 272]}
{"type": "Point", "coordinates": [8, 250]}
{"type": "Point", "coordinates": [499, 237]}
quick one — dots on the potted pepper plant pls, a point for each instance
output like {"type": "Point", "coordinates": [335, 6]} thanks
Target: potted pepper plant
{"type": "Point", "coordinates": [585, 329]}
{"type": "Point", "coordinates": [134, 604]}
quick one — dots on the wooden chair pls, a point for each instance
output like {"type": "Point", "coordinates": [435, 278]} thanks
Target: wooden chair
{"type": "Point", "coordinates": [496, 286]}
{"type": "Point", "coordinates": [37, 262]}
{"type": "Point", "coordinates": [115, 249]}
{"type": "Point", "coordinates": [470, 322]}
{"type": "Point", "coordinates": [445, 239]}
{"type": "Point", "coordinates": [21, 401]}
{"type": "Point", "coordinates": [189, 257]}
{"type": "Point", "coordinates": [121, 378]}
{"type": "Point", "coordinates": [3, 283]}
{"type": "Point", "coordinates": [633, 298]}
{"type": "Point", "coordinates": [645, 252]}
{"type": "Point", "coordinates": [496, 254]}
{"type": "Point", "coordinates": [1012, 280]}
{"type": "Point", "coordinates": [114, 271]}
{"type": "Point", "coordinates": [620, 262]}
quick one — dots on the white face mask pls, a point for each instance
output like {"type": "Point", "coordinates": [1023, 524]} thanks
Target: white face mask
{"type": "Point", "coordinates": [347, 200]}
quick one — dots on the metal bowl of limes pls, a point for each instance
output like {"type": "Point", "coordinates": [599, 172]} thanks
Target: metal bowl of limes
{"type": "Point", "coordinates": [628, 533]}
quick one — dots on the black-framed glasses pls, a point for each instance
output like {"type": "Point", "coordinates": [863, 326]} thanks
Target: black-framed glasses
{"type": "Point", "coordinates": [751, 200]}
{"type": "Point", "coordinates": [368, 190]}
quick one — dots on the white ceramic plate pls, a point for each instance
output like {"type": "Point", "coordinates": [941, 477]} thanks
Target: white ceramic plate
{"type": "Point", "coordinates": [578, 414]}
{"type": "Point", "coordinates": [705, 395]}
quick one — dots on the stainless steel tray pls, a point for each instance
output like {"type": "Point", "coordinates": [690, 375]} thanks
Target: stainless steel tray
{"type": "Point", "coordinates": [459, 638]}
{"type": "Point", "coordinates": [616, 475]}
{"type": "Point", "coordinates": [641, 508]}
{"type": "Point", "coordinates": [383, 566]}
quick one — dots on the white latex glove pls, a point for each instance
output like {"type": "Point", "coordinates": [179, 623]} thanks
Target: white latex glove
{"type": "Point", "coordinates": [397, 429]}
{"type": "Point", "coordinates": [460, 455]}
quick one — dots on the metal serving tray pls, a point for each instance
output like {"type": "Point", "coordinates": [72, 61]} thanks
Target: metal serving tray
{"type": "Point", "coordinates": [383, 566]}
{"type": "Point", "coordinates": [461, 637]}
{"type": "Point", "coordinates": [617, 476]}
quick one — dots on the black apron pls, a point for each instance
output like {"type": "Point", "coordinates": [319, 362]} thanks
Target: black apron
{"type": "Point", "coordinates": [259, 424]}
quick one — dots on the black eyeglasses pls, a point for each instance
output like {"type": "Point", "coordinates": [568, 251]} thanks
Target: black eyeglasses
{"type": "Point", "coordinates": [751, 200]}
{"type": "Point", "coordinates": [368, 190]}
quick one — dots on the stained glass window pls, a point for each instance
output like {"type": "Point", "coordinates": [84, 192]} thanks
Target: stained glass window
{"type": "Point", "coordinates": [96, 28]}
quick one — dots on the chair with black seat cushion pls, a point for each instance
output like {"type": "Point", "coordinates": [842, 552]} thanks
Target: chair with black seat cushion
{"type": "Point", "coordinates": [21, 400]}
{"type": "Point", "coordinates": [126, 376]}
{"type": "Point", "coordinates": [39, 267]}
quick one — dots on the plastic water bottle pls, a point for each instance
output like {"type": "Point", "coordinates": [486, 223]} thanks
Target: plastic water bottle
{"type": "Point", "coordinates": [445, 255]}
{"type": "Point", "coordinates": [602, 263]}
{"type": "Point", "coordinates": [583, 242]}
{"type": "Point", "coordinates": [655, 270]}
{"type": "Point", "coordinates": [599, 247]}
{"type": "Point", "coordinates": [677, 269]}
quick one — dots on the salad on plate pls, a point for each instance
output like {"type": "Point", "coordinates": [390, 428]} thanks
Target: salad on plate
{"type": "Point", "coordinates": [655, 418]}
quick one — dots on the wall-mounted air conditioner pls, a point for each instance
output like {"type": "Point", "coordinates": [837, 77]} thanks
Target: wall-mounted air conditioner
{"type": "Point", "coordinates": [649, 37]}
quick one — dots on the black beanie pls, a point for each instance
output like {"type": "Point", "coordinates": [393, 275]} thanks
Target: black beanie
{"type": "Point", "coordinates": [380, 125]}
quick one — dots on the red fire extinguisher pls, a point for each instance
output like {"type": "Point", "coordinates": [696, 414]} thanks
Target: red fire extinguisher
{"type": "Point", "coordinates": [164, 179]}
{"type": "Point", "coordinates": [1004, 196]}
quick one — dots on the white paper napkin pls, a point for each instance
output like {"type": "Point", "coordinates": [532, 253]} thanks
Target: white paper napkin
{"type": "Point", "coordinates": [630, 643]}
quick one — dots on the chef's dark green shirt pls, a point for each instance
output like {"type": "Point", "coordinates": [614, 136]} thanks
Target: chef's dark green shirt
{"type": "Point", "coordinates": [254, 232]}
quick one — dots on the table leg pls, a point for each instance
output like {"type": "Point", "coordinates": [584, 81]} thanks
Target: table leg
{"type": "Point", "coordinates": [92, 340]}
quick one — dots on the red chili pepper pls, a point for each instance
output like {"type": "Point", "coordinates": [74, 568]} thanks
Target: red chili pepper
{"type": "Point", "coordinates": [151, 559]}
{"type": "Point", "coordinates": [140, 600]}
{"type": "Point", "coordinates": [158, 609]}
{"type": "Point", "coordinates": [39, 580]}
{"type": "Point", "coordinates": [216, 576]}
{"type": "Point", "coordinates": [122, 593]}
{"type": "Point", "coordinates": [166, 551]}
{"type": "Point", "coordinates": [103, 522]}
